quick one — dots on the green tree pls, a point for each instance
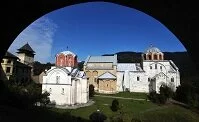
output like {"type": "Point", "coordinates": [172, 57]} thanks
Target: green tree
{"type": "Point", "coordinates": [115, 105]}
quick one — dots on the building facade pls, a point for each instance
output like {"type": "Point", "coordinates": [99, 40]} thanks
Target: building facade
{"type": "Point", "coordinates": [9, 64]}
{"type": "Point", "coordinates": [18, 68]}
{"type": "Point", "coordinates": [101, 72]}
{"type": "Point", "coordinates": [149, 74]}
{"type": "Point", "coordinates": [109, 76]}
{"type": "Point", "coordinates": [65, 83]}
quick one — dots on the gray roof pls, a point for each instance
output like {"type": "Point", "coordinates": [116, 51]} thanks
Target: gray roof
{"type": "Point", "coordinates": [126, 66]}
{"type": "Point", "coordinates": [152, 49]}
{"type": "Point", "coordinates": [26, 47]}
{"type": "Point", "coordinates": [107, 75]}
{"type": "Point", "coordinates": [129, 67]}
{"type": "Point", "coordinates": [101, 59]}
{"type": "Point", "coordinates": [10, 55]}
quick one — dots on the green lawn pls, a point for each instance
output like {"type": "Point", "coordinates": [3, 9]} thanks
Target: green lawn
{"type": "Point", "coordinates": [130, 107]}
{"type": "Point", "coordinates": [127, 95]}
{"type": "Point", "coordinates": [144, 111]}
{"type": "Point", "coordinates": [137, 110]}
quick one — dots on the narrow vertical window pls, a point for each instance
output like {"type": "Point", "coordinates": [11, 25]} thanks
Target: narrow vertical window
{"type": "Point", "coordinates": [172, 79]}
{"type": "Point", "coordinates": [161, 67]}
{"type": "Point", "coordinates": [62, 91]}
{"type": "Point", "coordinates": [57, 79]}
{"type": "Point", "coordinates": [138, 78]}
{"type": "Point", "coordinates": [155, 66]}
{"type": "Point", "coordinates": [8, 69]}
{"type": "Point", "coordinates": [150, 67]}
{"type": "Point", "coordinates": [50, 90]}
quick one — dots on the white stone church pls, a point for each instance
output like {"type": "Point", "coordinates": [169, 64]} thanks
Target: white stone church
{"type": "Point", "coordinates": [109, 76]}
{"type": "Point", "coordinates": [65, 83]}
{"type": "Point", "coordinates": [149, 74]}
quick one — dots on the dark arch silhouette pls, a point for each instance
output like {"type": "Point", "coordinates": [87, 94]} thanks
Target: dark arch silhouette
{"type": "Point", "coordinates": [181, 18]}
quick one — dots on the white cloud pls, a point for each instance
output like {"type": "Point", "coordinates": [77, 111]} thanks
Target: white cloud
{"type": "Point", "coordinates": [39, 35]}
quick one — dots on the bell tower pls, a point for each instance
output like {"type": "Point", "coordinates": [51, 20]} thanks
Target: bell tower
{"type": "Point", "coordinates": [26, 55]}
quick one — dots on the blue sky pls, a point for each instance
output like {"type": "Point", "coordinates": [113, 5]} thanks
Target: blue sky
{"type": "Point", "coordinates": [95, 28]}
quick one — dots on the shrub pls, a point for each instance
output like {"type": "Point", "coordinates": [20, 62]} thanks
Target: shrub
{"type": "Point", "coordinates": [187, 93]}
{"type": "Point", "coordinates": [115, 105]}
{"type": "Point", "coordinates": [161, 98]}
{"type": "Point", "coordinates": [44, 99]}
{"type": "Point", "coordinates": [97, 117]}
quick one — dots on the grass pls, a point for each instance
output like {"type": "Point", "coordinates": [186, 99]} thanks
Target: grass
{"type": "Point", "coordinates": [129, 107]}
{"type": "Point", "coordinates": [144, 111]}
{"type": "Point", "coordinates": [170, 113]}
{"type": "Point", "coordinates": [132, 110]}
{"type": "Point", "coordinates": [127, 95]}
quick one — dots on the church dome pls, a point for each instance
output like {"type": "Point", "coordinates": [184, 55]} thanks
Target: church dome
{"type": "Point", "coordinates": [153, 50]}
{"type": "Point", "coordinates": [68, 53]}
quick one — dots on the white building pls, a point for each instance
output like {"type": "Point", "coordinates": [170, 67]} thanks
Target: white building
{"type": "Point", "coordinates": [66, 85]}
{"type": "Point", "coordinates": [149, 74]}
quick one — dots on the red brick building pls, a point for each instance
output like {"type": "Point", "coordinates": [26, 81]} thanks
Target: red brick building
{"type": "Point", "coordinates": [66, 59]}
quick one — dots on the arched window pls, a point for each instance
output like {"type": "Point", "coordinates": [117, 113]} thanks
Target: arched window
{"type": "Point", "coordinates": [57, 79]}
{"type": "Point", "coordinates": [155, 66]}
{"type": "Point", "coordinates": [62, 92]}
{"type": "Point", "coordinates": [138, 78]}
{"type": "Point", "coordinates": [149, 56]}
{"type": "Point", "coordinates": [155, 57]}
{"type": "Point", "coordinates": [172, 79]}
{"type": "Point", "coordinates": [160, 57]}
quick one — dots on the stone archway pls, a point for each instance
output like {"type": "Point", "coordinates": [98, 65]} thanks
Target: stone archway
{"type": "Point", "coordinates": [179, 17]}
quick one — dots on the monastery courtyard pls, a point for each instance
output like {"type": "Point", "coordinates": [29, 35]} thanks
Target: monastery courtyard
{"type": "Point", "coordinates": [131, 110]}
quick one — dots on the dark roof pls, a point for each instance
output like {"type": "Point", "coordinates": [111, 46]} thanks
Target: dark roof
{"type": "Point", "coordinates": [19, 64]}
{"type": "Point", "coordinates": [26, 47]}
{"type": "Point", "coordinates": [10, 55]}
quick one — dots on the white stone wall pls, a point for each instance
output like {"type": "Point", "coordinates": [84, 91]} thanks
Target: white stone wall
{"type": "Point", "coordinates": [162, 71]}
{"type": "Point", "coordinates": [139, 86]}
{"type": "Point", "coordinates": [120, 81]}
{"type": "Point", "coordinates": [65, 92]}
{"type": "Point", "coordinates": [57, 95]}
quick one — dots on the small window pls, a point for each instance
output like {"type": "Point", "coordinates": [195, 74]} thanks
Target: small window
{"type": "Point", "coordinates": [95, 79]}
{"type": "Point", "coordinates": [155, 66]}
{"type": "Point", "coordinates": [57, 79]}
{"type": "Point", "coordinates": [172, 79]}
{"type": "Point", "coordinates": [62, 91]}
{"type": "Point", "coordinates": [8, 69]}
{"type": "Point", "coordinates": [50, 90]}
{"type": "Point", "coordinates": [138, 78]}
{"type": "Point", "coordinates": [150, 67]}
{"type": "Point", "coordinates": [2, 61]}
{"type": "Point", "coordinates": [155, 57]}
{"type": "Point", "coordinates": [107, 85]}
{"type": "Point", "coordinates": [149, 57]}
{"type": "Point", "coordinates": [161, 67]}
{"type": "Point", "coordinates": [9, 61]}
{"type": "Point", "coordinates": [149, 79]}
